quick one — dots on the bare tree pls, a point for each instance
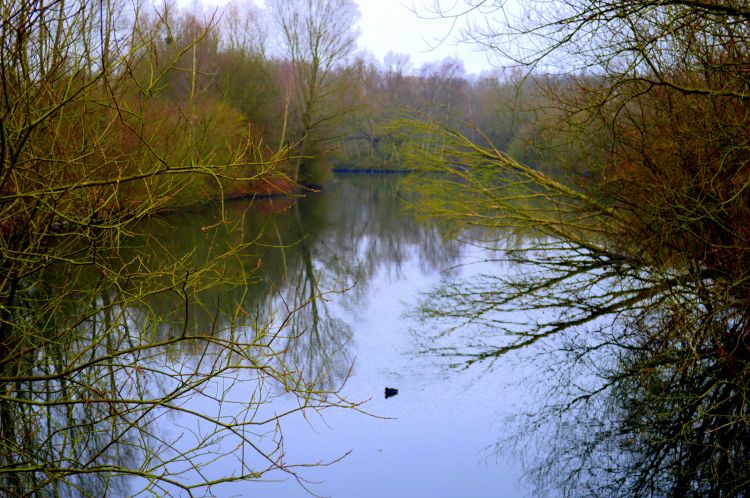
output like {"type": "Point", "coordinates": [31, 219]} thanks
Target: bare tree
{"type": "Point", "coordinates": [317, 36]}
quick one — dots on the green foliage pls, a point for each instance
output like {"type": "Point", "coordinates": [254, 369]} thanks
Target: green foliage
{"type": "Point", "coordinates": [246, 82]}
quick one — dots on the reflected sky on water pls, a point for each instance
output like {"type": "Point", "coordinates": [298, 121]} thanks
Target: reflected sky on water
{"type": "Point", "coordinates": [430, 440]}
{"type": "Point", "coordinates": [440, 423]}
{"type": "Point", "coordinates": [225, 343]}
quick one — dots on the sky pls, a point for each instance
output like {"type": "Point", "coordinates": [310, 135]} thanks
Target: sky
{"type": "Point", "coordinates": [392, 25]}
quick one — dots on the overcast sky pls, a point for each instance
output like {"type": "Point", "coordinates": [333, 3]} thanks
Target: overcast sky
{"type": "Point", "coordinates": [391, 25]}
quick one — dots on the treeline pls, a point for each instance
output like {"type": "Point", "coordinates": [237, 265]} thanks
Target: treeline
{"type": "Point", "coordinates": [252, 79]}
{"type": "Point", "coordinates": [164, 106]}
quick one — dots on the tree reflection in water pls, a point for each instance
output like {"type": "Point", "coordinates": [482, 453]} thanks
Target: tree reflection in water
{"type": "Point", "coordinates": [93, 397]}
{"type": "Point", "coordinates": [68, 411]}
{"type": "Point", "coordinates": [650, 381]}
{"type": "Point", "coordinates": [672, 416]}
{"type": "Point", "coordinates": [183, 352]}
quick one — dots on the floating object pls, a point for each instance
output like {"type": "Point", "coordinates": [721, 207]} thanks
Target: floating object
{"type": "Point", "coordinates": [389, 391]}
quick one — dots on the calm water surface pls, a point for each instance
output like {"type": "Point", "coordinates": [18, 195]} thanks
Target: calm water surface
{"type": "Point", "coordinates": [360, 246]}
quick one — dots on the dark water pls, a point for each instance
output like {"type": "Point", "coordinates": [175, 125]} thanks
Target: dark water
{"type": "Point", "coordinates": [354, 261]}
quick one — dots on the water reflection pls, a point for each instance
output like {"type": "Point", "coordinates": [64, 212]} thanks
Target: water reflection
{"type": "Point", "coordinates": [189, 346]}
{"type": "Point", "coordinates": [66, 415]}
{"type": "Point", "coordinates": [642, 371]}
{"type": "Point", "coordinates": [664, 413]}
{"type": "Point", "coordinates": [303, 252]}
